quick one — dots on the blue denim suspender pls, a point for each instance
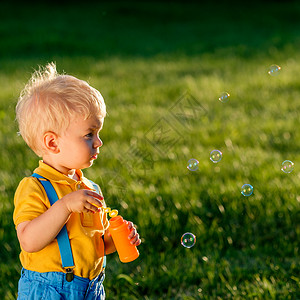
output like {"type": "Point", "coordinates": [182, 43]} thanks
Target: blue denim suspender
{"type": "Point", "coordinates": [62, 237]}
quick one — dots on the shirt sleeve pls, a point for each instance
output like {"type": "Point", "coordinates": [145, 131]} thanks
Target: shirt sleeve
{"type": "Point", "coordinates": [30, 200]}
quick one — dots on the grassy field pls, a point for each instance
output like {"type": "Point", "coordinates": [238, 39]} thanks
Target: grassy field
{"type": "Point", "coordinates": [161, 68]}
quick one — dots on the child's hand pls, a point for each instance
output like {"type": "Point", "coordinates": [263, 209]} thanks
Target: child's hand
{"type": "Point", "coordinates": [82, 201]}
{"type": "Point", "coordinates": [133, 236]}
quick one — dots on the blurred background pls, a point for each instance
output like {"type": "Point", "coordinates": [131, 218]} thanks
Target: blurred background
{"type": "Point", "coordinates": [161, 67]}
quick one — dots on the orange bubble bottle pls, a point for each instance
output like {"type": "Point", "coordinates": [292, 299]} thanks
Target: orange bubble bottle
{"type": "Point", "coordinates": [119, 232]}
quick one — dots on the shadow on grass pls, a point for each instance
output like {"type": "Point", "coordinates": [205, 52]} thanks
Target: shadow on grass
{"type": "Point", "coordinates": [145, 29]}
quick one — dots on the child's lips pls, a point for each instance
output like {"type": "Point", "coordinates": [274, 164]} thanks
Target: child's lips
{"type": "Point", "coordinates": [94, 156]}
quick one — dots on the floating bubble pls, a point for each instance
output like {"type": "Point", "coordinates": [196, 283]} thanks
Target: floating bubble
{"type": "Point", "coordinates": [274, 70]}
{"type": "Point", "coordinates": [193, 164]}
{"type": "Point", "coordinates": [287, 166]}
{"type": "Point", "coordinates": [224, 97]}
{"type": "Point", "coordinates": [188, 240]}
{"type": "Point", "coordinates": [215, 156]}
{"type": "Point", "coordinates": [247, 190]}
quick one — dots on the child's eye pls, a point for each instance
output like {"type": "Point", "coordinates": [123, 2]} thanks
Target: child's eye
{"type": "Point", "coordinates": [89, 135]}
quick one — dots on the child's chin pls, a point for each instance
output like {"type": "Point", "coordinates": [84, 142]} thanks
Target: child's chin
{"type": "Point", "coordinates": [87, 165]}
{"type": "Point", "coordinates": [91, 162]}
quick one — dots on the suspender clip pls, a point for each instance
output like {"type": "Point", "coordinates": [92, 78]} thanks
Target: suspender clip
{"type": "Point", "coordinates": [70, 274]}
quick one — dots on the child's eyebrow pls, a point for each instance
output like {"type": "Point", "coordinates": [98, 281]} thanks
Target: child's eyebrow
{"type": "Point", "coordinates": [94, 127]}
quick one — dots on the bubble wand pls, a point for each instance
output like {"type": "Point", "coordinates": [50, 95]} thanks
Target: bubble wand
{"type": "Point", "coordinates": [111, 212]}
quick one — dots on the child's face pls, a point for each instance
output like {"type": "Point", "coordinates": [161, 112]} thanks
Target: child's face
{"type": "Point", "coordinates": [79, 144]}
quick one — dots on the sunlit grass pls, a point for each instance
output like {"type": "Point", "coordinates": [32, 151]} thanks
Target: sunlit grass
{"type": "Point", "coordinates": [247, 247]}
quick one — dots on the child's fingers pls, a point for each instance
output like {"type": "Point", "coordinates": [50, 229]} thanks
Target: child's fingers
{"type": "Point", "coordinates": [132, 230]}
{"type": "Point", "coordinates": [93, 204]}
{"type": "Point", "coordinates": [133, 236]}
{"type": "Point", "coordinates": [95, 195]}
{"type": "Point", "coordinates": [91, 207]}
{"type": "Point", "coordinates": [130, 225]}
{"type": "Point", "coordinates": [95, 201]}
{"type": "Point", "coordinates": [132, 233]}
{"type": "Point", "coordinates": [136, 241]}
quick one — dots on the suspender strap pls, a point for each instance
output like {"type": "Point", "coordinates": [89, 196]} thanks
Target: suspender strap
{"type": "Point", "coordinates": [62, 237]}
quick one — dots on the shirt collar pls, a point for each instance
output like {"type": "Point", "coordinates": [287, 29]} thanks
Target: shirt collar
{"type": "Point", "coordinates": [51, 174]}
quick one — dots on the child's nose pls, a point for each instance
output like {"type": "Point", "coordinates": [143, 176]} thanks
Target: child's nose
{"type": "Point", "coordinates": [98, 143]}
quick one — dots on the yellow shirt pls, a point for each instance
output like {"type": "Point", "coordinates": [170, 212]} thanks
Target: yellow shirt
{"type": "Point", "coordinates": [85, 230]}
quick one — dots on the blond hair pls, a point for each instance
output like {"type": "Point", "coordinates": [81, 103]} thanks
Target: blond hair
{"type": "Point", "coordinates": [50, 100]}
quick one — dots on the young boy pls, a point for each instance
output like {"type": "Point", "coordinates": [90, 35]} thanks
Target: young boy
{"type": "Point", "coordinates": [60, 118]}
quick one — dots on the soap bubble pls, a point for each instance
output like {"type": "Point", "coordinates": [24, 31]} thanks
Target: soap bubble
{"type": "Point", "coordinates": [274, 70]}
{"type": "Point", "coordinates": [188, 240]}
{"type": "Point", "coordinates": [224, 97]}
{"type": "Point", "coordinates": [193, 164]}
{"type": "Point", "coordinates": [215, 156]}
{"type": "Point", "coordinates": [247, 190]}
{"type": "Point", "coordinates": [287, 166]}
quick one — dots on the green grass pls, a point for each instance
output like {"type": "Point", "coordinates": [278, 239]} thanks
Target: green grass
{"type": "Point", "coordinates": [143, 57]}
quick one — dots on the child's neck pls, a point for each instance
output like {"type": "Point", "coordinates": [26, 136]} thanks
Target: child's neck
{"type": "Point", "coordinates": [72, 174]}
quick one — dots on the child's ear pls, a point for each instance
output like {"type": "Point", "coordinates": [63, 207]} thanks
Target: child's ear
{"type": "Point", "coordinates": [51, 142]}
